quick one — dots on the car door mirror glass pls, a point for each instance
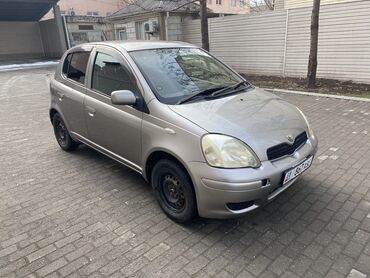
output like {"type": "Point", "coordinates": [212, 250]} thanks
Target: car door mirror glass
{"type": "Point", "coordinates": [123, 97]}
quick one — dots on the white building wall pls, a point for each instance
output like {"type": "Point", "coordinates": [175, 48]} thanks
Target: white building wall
{"type": "Point", "coordinates": [344, 42]}
{"type": "Point", "coordinates": [293, 4]}
{"type": "Point", "coordinates": [261, 43]}
{"type": "Point", "coordinates": [174, 28]}
{"type": "Point", "coordinates": [20, 39]}
{"type": "Point", "coordinates": [191, 32]}
{"type": "Point", "coordinates": [249, 43]}
{"type": "Point", "coordinates": [279, 4]}
{"type": "Point", "coordinates": [130, 27]}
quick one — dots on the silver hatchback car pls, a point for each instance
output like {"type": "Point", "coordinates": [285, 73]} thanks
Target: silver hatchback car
{"type": "Point", "coordinates": [207, 141]}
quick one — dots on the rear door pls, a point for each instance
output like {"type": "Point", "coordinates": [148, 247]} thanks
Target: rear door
{"type": "Point", "coordinates": [115, 128]}
{"type": "Point", "coordinates": [70, 93]}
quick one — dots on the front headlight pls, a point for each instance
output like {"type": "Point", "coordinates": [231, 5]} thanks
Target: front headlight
{"type": "Point", "coordinates": [228, 152]}
{"type": "Point", "coordinates": [307, 123]}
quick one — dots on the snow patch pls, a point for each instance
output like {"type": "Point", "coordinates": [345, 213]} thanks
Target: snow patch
{"type": "Point", "coordinates": [12, 67]}
{"type": "Point", "coordinates": [323, 157]}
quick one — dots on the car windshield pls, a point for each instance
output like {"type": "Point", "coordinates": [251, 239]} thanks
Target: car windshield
{"type": "Point", "coordinates": [175, 74]}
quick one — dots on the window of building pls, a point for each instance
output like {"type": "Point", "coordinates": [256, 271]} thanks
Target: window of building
{"type": "Point", "coordinates": [241, 3]}
{"type": "Point", "coordinates": [140, 32]}
{"type": "Point", "coordinates": [80, 37]}
{"type": "Point", "coordinates": [110, 75]}
{"type": "Point", "coordinates": [122, 34]}
{"type": "Point", "coordinates": [75, 66]}
{"type": "Point", "coordinates": [232, 3]}
{"type": "Point", "coordinates": [85, 27]}
{"type": "Point", "coordinates": [210, 2]}
{"type": "Point", "coordinates": [218, 2]}
{"type": "Point", "coordinates": [92, 13]}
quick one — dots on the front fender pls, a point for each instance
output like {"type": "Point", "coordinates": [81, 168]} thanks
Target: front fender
{"type": "Point", "coordinates": [160, 135]}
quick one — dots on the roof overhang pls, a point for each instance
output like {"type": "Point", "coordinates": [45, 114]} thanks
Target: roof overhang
{"type": "Point", "coordinates": [24, 10]}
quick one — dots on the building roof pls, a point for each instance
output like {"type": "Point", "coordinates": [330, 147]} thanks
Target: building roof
{"type": "Point", "coordinates": [144, 6]}
{"type": "Point", "coordinates": [24, 10]}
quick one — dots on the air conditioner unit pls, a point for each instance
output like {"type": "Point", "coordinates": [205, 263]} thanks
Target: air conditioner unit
{"type": "Point", "coordinates": [71, 12]}
{"type": "Point", "coordinates": [150, 27]}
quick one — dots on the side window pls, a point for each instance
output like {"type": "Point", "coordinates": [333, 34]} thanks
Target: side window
{"type": "Point", "coordinates": [110, 75]}
{"type": "Point", "coordinates": [75, 66]}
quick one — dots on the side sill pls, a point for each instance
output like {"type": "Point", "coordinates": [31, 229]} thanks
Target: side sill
{"type": "Point", "coordinates": [108, 153]}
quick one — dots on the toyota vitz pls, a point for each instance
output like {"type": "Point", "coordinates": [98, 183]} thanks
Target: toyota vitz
{"type": "Point", "coordinates": [207, 141]}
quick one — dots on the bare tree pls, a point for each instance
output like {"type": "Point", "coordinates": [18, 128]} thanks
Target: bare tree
{"type": "Point", "coordinates": [261, 5]}
{"type": "Point", "coordinates": [204, 24]}
{"type": "Point", "coordinates": [312, 61]}
{"type": "Point", "coordinates": [203, 14]}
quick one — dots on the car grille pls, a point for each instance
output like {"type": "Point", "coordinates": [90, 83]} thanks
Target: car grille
{"type": "Point", "coordinates": [284, 149]}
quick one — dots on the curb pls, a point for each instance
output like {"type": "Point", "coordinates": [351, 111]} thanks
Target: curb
{"type": "Point", "coordinates": [317, 94]}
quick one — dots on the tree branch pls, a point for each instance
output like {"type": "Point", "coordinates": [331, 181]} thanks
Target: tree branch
{"type": "Point", "coordinates": [138, 4]}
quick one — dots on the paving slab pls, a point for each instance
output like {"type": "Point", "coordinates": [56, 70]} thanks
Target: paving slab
{"type": "Point", "coordinates": [81, 213]}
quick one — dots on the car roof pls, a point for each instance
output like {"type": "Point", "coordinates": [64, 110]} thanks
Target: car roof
{"type": "Point", "coordinates": [141, 45]}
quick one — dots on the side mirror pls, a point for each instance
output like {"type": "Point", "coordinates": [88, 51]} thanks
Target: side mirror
{"type": "Point", "coordinates": [123, 97]}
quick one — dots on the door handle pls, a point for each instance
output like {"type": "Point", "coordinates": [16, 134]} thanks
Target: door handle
{"type": "Point", "coordinates": [60, 96]}
{"type": "Point", "coordinates": [90, 111]}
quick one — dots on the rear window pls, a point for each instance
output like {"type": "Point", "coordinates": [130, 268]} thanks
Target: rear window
{"type": "Point", "coordinates": [75, 66]}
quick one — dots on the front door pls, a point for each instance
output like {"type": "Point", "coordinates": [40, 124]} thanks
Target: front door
{"type": "Point", "coordinates": [116, 128]}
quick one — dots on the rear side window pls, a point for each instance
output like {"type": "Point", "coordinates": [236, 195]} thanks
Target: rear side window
{"type": "Point", "coordinates": [110, 75]}
{"type": "Point", "coordinates": [75, 66]}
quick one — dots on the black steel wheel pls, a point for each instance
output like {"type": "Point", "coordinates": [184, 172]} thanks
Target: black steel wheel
{"type": "Point", "coordinates": [62, 135]}
{"type": "Point", "coordinates": [174, 191]}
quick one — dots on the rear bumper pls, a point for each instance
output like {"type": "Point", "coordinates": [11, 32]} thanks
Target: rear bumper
{"type": "Point", "coordinates": [227, 193]}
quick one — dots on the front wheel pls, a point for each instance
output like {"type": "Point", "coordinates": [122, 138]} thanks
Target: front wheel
{"type": "Point", "coordinates": [174, 191]}
{"type": "Point", "coordinates": [62, 136]}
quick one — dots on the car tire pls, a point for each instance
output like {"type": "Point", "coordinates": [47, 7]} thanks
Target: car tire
{"type": "Point", "coordinates": [174, 191]}
{"type": "Point", "coordinates": [62, 135]}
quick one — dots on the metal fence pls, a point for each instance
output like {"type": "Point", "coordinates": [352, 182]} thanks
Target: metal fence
{"type": "Point", "coordinates": [277, 43]}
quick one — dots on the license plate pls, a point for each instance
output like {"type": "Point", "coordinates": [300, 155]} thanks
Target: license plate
{"type": "Point", "coordinates": [297, 170]}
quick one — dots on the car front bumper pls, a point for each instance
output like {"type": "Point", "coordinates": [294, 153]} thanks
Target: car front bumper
{"type": "Point", "coordinates": [227, 193]}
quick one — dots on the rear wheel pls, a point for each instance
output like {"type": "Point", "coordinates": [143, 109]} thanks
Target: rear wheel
{"type": "Point", "coordinates": [174, 191]}
{"type": "Point", "coordinates": [62, 136]}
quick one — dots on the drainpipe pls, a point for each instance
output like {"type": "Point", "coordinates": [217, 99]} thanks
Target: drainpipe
{"type": "Point", "coordinates": [167, 17]}
{"type": "Point", "coordinates": [66, 32]}
{"type": "Point", "coordinates": [60, 26]}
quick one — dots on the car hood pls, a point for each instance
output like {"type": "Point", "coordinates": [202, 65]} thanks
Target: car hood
{"type": "Point", "coordinates": [258, 118]}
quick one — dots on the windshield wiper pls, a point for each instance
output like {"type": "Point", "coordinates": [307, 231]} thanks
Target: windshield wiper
{"type": "Point", "coordinates": [217, 91]}
{"type": "Point", "coordinates": [232, 89]}
{"type": "Point", "coordinates": [205, 92]}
